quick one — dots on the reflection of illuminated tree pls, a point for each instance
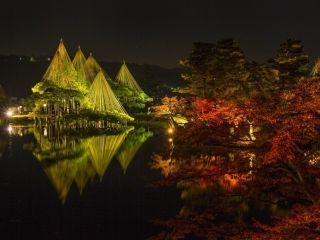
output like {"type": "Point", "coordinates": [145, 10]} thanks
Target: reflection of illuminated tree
{"type": "Point", "coordinates": [206, 195]}
{"type": "Point", "coordinates": [303, 223]}
{"type": "Point", "coordinates": [67, 159]}
{"type": "Point", "coordinates": [166, 166]}
{"type": "Point", "coordinates": [58, 148]}
{"type": "Point", "coordinates": [61, 158]}
{"type": "Point", "coordinates": [131, 146]}
{"type": "Point", "coordinates": [63, 173]}
{"type": "Point", "coordinates": [223, 194]}
{"type": "Point", "coordinates": [102, 149]}
{"type": "Point", "coordinates": [85, 173]}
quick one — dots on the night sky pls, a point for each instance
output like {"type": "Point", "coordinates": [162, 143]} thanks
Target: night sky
{"type": "Point", "coordinates": [156, 32]}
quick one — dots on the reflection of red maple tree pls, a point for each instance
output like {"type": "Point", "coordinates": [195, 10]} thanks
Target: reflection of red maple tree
{"type": "Point", "coordinates": [303, 223]}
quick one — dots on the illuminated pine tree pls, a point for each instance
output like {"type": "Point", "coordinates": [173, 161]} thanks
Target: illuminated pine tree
{"type": "Point", "coordinates": [102, 97]}
{"type": "Point", "coordinates": [126, 79]}
{"type": "Point", "coordinates": [79, 61]}
{"type": "Point", "coordinates": [128, 90]}
{"type": "Point", "coordinates": [61, 74]}
{"type": "Point", "coordinates": [92, 68]}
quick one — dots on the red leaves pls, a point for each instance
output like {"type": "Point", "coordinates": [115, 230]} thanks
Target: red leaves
{"type": "Point", "coordinates": [170, 105]}
{"type": "Point", "coordinates": [218, 112]}
{"type": "Point", "coordinates": [292, 118]}
{"type": "Point", "coordinates": [303, 223]}
{"type": "Point", "coordinates": [282, 171]}
{"type": "Point", "coordinates": [283, 148]}
{"type": "Point", "coordinates": [203, 105]}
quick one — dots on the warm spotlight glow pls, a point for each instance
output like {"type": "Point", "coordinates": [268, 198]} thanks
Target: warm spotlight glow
{"type": "Point", "coordinates": [170, 140]}
{"type": "Point", "coordinates": [9, 129]}
{"type": "Point", "coordinates": [45, 105]}
{"type": "Point", "coordinates": [9, 113]}
{"type": "Point", "coordinates": [170, 130]}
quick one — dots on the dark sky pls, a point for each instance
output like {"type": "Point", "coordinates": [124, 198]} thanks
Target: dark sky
{"type": "Point", "coordinates": [156, 31]}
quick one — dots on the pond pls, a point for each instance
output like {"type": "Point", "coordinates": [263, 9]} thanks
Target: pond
{"type": "Point", "coordinates": [139, 184]}
{"type": "Point", "coordinates": [95, 187]}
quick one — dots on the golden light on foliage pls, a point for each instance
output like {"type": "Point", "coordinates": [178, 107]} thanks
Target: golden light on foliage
{"type": "Point", "coordinates": [314, 159]}
{"type": "Point", "coordinates": [165, 166]}
{"type": "Point", "coordinates": [251, 132]}
{"type": "Point", "coordinates": [229, 181]}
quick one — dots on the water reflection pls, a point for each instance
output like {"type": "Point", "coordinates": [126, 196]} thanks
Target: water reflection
{"type": "Point", "coordinates": [131, 146]}
{"type": "Point", "coordinates": [18, 130]}
{"type": "Point", "coordinates": [102, 150]}
{"type": "Point", "coordinates": [224, 191]}
{"type": "Point", "coordinates": [69, 158]}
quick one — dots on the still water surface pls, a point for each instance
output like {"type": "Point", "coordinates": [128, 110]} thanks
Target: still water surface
{"type": "Point", "coordinates": [54, 186]}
